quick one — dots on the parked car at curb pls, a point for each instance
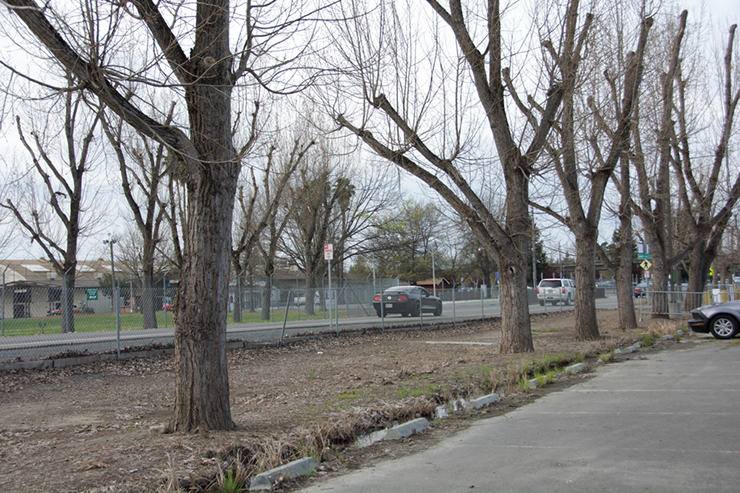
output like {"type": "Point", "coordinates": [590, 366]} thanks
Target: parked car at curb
{"type": "Point", "coordinates": [721, 320]}
{"type": "Point", "coordinates": [556, 291]}
{"type": "Point", "coordinates": [408, 301]}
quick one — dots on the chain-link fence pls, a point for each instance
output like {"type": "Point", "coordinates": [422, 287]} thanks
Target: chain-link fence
{"type": "Point", "coordinates": [43, 321]}
{"type": "Point", "coordinates": [679, 302]}
{"type": "Point", "coordinates": [36, 323]}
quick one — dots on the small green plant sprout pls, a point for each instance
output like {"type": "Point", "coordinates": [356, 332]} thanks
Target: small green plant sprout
{"type": "Point", "coordinates": [544, 378]}
{"type": "Point", "coordinates": [230, 482]}
{"type": "Point", "coordinates": [312, 374]}
{"type": "Point", "coordinates": [607, 357]}
{"type": "Point", "coordinates": [647, 340]}
{"type": "Point", "coordinates": [523, 384]}
{"type": "Point", "coordinates": [348, 395]}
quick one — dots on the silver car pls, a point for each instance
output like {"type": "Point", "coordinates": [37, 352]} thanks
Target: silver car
{"type": "Point", "coordinates": [720, 320]}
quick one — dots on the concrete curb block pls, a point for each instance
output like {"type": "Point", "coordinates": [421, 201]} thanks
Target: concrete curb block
{"type": "Point", "coordinates": [300, 467]}
{"type": "Point", "coordinates": [407, 429]}
{"type": "Point", "coordinates": [484, 401]}
{"type": "Point", "coordinates": [577, 368]}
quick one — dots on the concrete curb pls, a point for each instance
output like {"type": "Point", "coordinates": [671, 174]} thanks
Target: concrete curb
{"type": "Point", "coordinates": [484, 401]}
{"type": "Point", "coordinates": [300, 467]}
{"type": "Point", "coordinates": [407, 429]}
{"type": "Point", "coordinates": [577, 368]}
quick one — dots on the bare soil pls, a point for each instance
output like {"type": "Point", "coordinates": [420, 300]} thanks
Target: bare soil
{"type": "Point", "coordinates": [97, 427]}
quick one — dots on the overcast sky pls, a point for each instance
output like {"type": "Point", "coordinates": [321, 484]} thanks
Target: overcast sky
{"type": "Point", "coordinates": [723, 13]}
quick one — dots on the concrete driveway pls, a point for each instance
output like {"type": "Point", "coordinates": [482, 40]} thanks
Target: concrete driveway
{"type": "Point", "coordinates": [667, 423]}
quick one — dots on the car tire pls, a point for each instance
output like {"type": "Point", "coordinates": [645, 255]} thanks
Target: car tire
{"type": "Point", "coordinates": [415, 310]}
{"type": "Point", "coordinates": [567, 301]}
{"type": "Point", "coordinates": [438, 310]}
{"type": "Point", "coordinates": [379, 313]}
{"type": "Point", "coordinates": [405, 314]}
{"type": "Point", "coordinates": [542, 303]}
{"type": "Point", "coordinates": [723, 327]}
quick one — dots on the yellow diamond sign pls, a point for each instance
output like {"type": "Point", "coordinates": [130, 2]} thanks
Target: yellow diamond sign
{"type": "Point", "coordinates": [646, 264]}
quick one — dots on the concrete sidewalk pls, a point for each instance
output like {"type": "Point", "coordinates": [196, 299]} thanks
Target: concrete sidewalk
{"type": "Point", "coordinates": [667, 423]}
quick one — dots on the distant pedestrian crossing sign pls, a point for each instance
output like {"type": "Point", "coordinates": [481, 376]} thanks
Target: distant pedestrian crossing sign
{"type": "Point", "coordinates": [646, 264]}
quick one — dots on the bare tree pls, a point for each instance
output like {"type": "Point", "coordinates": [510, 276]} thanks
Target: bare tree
{"type": "Point", "coordinates": [258, 209]}
{"type": "Point", "coordinates": [404, 238]}
{"type": "Point", "coordinates": [694, 224]}
{"type": "Point", "coordinates": [585, 202]}
{"type": "Point", "coordinates": [208, 160]}
{"type": "Point", "coordinates": [142, 174]}
{"type": "Point", "coordinates": [653, 206]}
{"type": "Point", "coordinates": [707, 208]}
{"type": "Point", "coordinates": [62, 181]}
{"type": "Point", "coordinates": [407, 142]}
{"type": "Point", "coordinates": [316, 193]}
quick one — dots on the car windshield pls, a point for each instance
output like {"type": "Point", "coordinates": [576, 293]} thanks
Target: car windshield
{"type": "Point", "coordinates": [548, 283]}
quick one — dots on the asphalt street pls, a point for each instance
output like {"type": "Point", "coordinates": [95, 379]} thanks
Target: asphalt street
{"type": "Point", "coordinates": [663, 422]}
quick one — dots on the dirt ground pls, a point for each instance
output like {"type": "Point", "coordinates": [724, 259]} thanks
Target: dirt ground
{"type": "Point", "coordinates": [96, 427]}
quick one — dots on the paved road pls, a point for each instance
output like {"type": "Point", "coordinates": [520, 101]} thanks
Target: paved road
{"type": "Point", "coordinates": [668, 423]}
{"type": "Point", "coordinates": [42, 346]}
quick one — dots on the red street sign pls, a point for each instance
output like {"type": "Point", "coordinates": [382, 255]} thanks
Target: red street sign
{"type": "Point", "coordinates": [328, 251]}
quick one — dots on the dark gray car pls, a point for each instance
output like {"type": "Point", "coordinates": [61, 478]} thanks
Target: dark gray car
{"type": "Point", "coordinates": [406, 300]}
{"type": "Point", "coordinates": [721, 320]}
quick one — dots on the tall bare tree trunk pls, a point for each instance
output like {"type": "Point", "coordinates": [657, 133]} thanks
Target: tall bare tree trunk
{"type": "Point", "coordinates": [148, 307]}
{"type": "Point", "coordinates": [586, 328]}
{"type": "Point", "coordinates": [516, 331]}
{"type": "Point", "coordinates": [68, 300]}
{"type": "Point", "coordinates": [698, 276]}
{"type": "Point", "coordinates": [202, 386]}
{"type": "Point", "coordinates": [623, 274]}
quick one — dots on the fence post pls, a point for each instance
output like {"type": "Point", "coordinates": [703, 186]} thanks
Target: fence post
{"type": "Point", "coordinates": [453, 304]}
{"type": "Point", "coordinates": [118, 322]}
{"type": "Point", "coordinates": [482, 313]}
{"type": "Point", "coordinates": [3, 330]}
{"type": "Point", "coordinates": [285, 319]}
{"type": "Point", "coordinates": [164, 298]}
{"type": "Point", "coordinates": [336, 311]}
{"type": "Point", "coordinates": [346, 299]}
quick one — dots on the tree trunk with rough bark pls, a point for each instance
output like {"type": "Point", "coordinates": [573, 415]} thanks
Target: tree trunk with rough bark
{"type": "Point", "coordinates": [201, 304]}
{"type": "Point", "coordinates": [587, 328]}
{"type": "Point", "coordinates": [202, 384]}
{"type": "Point", "coordinates": [623, 274]}
{"type": "Point", "coordinates": [68, 298]}
{"type": "Point", "coordinates": [516, 330]}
